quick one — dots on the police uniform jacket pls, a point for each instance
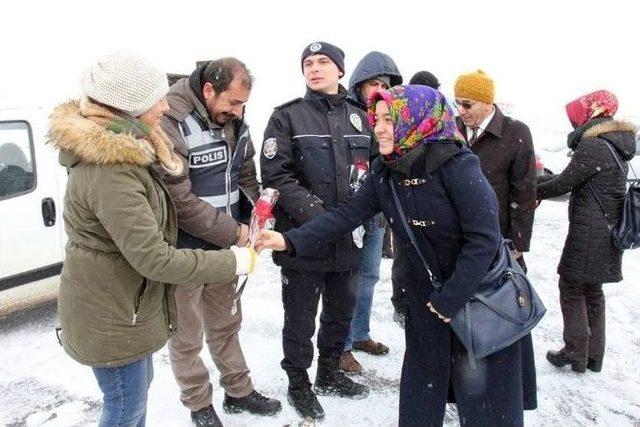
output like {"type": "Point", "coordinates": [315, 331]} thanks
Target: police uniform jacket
{"type": "Point", "coordinates": [312, 148]}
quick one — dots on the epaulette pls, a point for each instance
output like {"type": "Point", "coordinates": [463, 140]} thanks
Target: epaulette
{"type": "Point", "coordinates": [293, 101]}
{"type": "Point", "coordinates": [356, 104]}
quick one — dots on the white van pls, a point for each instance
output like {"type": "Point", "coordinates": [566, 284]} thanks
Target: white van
{"type": "Point", "coordinates": [32, 234]}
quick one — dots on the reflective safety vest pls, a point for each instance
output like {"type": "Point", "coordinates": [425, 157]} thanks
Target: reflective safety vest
{"type": "Point", "coordinates": [214, 166]}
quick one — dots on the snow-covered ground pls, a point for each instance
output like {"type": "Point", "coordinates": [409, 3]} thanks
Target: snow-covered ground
{"type": "Point", "coordinates": [41, 385]}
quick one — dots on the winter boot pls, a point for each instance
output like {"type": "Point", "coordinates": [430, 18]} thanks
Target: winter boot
{"type": "Point", "coordinates": [301, 397]}
{"type": "Point", "coordinates": [206, 417]}
{"type": "Point", "coordinates": [349, 364]}
{"type": "Point", "coordinates": [370, 346]}
{"type": "Point", "coordinates": [594, 365]}
{"type": "Point", "coordinates": [560, 359]}
{"type": "Point", "coordinates": [254, 403]}
{"type": "Point", "coordinates": [331, 381]}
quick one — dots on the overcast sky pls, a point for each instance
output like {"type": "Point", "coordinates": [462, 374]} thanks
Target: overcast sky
{"type": "Point", "coordinates": [541, 54]}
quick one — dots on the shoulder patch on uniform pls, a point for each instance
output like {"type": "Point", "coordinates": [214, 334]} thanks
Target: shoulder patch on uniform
{"type": "Point", "coordinates": [293, 101]}
{"type": "Point", "coordinates": [270, 148]}
{"type": "Point", "coordinates": [356, 121]}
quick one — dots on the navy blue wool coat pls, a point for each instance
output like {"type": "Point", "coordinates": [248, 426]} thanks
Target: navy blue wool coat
{"type": "Point", "coordinates": [457, 210]}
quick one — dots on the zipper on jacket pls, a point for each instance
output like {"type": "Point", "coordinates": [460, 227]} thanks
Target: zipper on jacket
{"type": "Point", "coordinates": [166, 305]}
{"type": "Point", "coordinates": [227, 174]}
{"type": "Point", "coordinates": [136, 304]}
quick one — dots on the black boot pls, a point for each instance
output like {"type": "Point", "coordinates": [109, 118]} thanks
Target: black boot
{"type": "Point", "coordinates": [594, 365]}
{"type": "Point", "coordinates": [560, 359]}
{"type": "Point", "coordinates": [301, 397]}
{"type": "Point", "coordinates": [206, 417]}
{"type": "Point", "coordinates": [254, 403]}
{"type": "Point", "coordinates": [330, 380]}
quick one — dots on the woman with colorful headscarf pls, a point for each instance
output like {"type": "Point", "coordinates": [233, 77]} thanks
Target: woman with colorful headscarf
{"type": "Point", "coordinates": [589, 257]}
{"type": "Point", "coordinates": [446, 199]}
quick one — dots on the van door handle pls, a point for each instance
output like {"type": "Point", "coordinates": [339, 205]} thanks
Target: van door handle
{"type": "Point", "coordinates": [48, 212]}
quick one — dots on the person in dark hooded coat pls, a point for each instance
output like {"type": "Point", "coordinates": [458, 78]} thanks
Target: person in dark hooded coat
{"type": "Point", "coordinates": [589, 257]}
{"type": "Point", "coordinates": [447, 200]}
{"type": "Point", "coordinates": [375, 70]}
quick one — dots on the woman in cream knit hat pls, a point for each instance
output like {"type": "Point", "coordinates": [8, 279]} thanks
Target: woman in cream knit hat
{"type": "Point", "coordinates": [116, 302]}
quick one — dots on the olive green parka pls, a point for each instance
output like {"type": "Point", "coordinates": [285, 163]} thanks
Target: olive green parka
{"type": "Point", "coordinates": [115, 303]}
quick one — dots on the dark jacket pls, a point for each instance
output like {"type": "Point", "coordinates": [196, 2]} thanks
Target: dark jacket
{"type": "Point", "coordinates": [589, 255]}
{"type": "Point", "coordinates": [508, 160]}
{"type": "Point", "coordinates": [373, 64]}
{"type": "Point", "coordinates": [206, 178]}
{"type": "Point", "coordinates": [310, 147]}
{"type": "Point", "coordinates": [455, 208]}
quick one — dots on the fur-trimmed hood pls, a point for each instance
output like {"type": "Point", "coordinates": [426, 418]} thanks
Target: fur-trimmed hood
{"type": "Point", "coordinates": [83, 140]}
{"type": "Point", "coordinates": [618, 133]}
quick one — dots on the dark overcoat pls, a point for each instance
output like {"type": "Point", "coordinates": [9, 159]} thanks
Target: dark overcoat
{"type": "Point", "coordinates": [507, 158]}
{"type": "Point", "coordinates": [456, 209]}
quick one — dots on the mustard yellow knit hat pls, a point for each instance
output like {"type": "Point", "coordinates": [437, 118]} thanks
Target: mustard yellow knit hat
{"type": "Point", "coordinates": [477, 86]}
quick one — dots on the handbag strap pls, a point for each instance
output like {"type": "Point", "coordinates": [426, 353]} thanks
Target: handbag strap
{"type": "Point", "coordinates": [604, 211]}
{"type": "Point", "coordinates": [403, 219]}
{"type": "Point", "coordinates": [615, 157]}
{"type": "Point", "coordinates": [434, 281]}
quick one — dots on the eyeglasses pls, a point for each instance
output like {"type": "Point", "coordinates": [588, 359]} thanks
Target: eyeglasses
{"type": "Point", "coordinates": [465, 105]}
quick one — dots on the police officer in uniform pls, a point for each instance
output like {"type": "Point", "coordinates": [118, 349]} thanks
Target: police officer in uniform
{"type": "Point", "coordinates": [316, 151]}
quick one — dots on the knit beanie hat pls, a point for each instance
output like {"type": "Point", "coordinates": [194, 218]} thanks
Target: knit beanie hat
{"type": "Point", "coordinates": [425, 78]}
{"type": "Point", "coordinates": [335, 53]}
{"type": "Point", "coordinates": [477, 86]}
{"type": "Point", "coordinates": [125, 82]}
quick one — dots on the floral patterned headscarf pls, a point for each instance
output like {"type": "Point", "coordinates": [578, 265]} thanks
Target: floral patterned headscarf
{"type": "Point", "coordinates": [420, 114]}
{"type": "Point", "coordinates": [601, 103]}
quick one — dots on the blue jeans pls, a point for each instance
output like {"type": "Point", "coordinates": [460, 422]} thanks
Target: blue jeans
{"type": "Point", "coordinates": [369, 275]}
{"type": "Point", "coordinates": [125, 393]}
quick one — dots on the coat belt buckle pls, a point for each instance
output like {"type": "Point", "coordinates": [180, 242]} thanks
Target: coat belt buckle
{"type": "Point", "coordinates": [412, 181]}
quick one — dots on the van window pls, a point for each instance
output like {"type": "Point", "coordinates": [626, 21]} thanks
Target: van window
{"type": "Point", "coordinates": [16, 159]}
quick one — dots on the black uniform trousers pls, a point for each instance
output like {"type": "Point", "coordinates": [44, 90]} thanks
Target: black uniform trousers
{"type": "Point", "coordinates": [301, 292]}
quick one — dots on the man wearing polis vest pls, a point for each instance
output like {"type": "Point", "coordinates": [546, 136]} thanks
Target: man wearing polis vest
{"type": "Point", "coordinates": [206, 125]}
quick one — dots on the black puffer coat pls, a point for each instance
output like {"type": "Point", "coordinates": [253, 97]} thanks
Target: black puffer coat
{"type": "Point", "coordinates": [589, 255]}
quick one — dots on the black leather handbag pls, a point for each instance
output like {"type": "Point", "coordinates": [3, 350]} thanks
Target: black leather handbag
{"type": "Point", "coordinates": [505, 309]}
{"type": "Point", "coordinates": [626, 233]}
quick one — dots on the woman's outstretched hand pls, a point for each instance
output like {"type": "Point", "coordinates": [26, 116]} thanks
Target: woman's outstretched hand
{"type": "Point", "coordinates": [440, 316]}
{"type": "Point", "coordinates": [270, 240]}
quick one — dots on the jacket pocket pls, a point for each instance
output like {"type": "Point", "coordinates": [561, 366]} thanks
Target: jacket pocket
{"type": "Point", "coordinates": [359, 148]}
{"type": "Point", "coordinates": [137, 303]}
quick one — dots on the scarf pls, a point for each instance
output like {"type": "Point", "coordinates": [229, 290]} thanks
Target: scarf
{"type": "Point", "coordinates": [421, 115]}
{"type": "Point", "coordinates": [118, 123]}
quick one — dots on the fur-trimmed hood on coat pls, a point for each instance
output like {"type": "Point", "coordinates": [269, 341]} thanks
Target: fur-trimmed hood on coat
{"type": "Point", "coordinates": [84, 140]}
{"type": "Point", "coordinates": [620, 134]}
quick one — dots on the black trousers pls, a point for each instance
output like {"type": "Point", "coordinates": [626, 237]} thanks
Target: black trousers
{"type": "Point", "coordinates": [301, 292]}
{"type": "Point", "coordinates": [583, 313]}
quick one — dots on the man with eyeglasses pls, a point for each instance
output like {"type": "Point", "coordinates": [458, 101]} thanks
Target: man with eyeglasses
{"type": "Point", "coordinates": [505, 149]}
{"type": "Point", "coordinates": [213, 198]}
